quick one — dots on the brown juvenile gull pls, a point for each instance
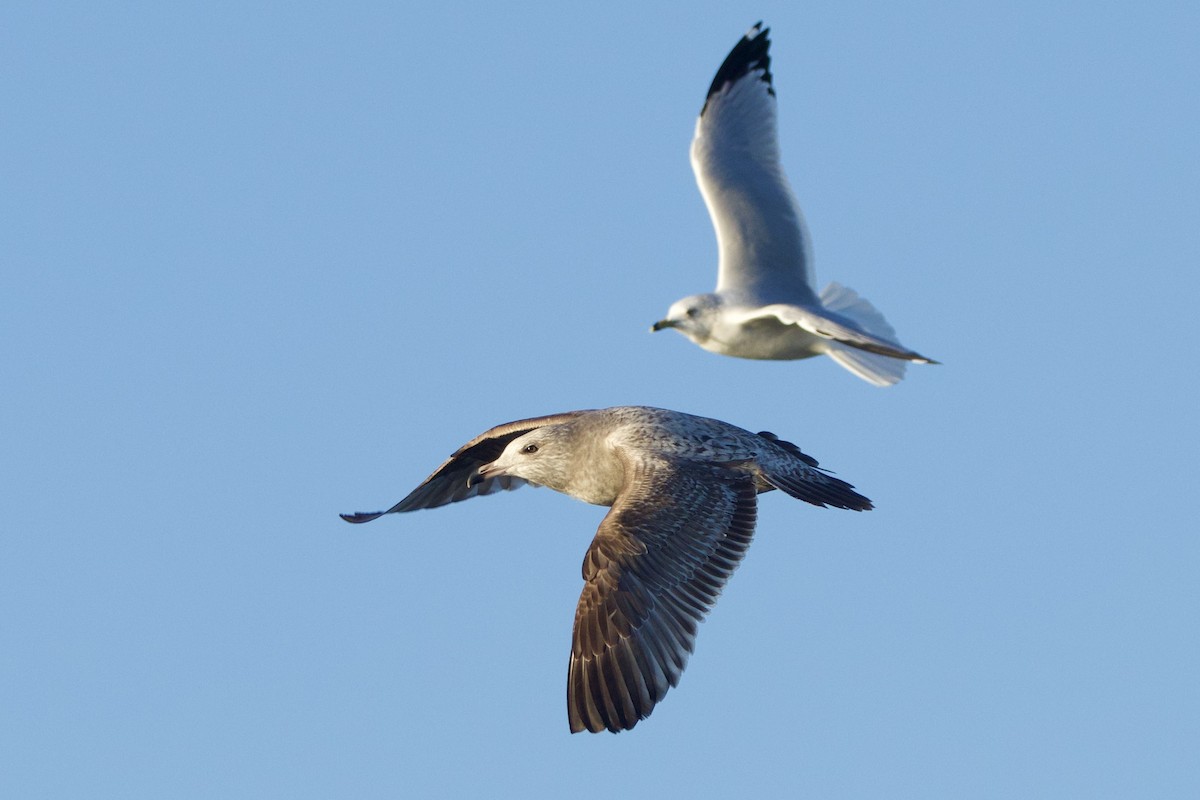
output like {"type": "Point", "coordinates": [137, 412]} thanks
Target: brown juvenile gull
{"type": "Point", "coordinates": [682, 491]}
{"type": "Point", "coordinates": [765, 305]}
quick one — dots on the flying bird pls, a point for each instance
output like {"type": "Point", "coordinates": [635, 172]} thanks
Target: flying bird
{"type": "Point", "coordinates": [765, 305]}
{"type": "Point", "coordinates": [682, 492]}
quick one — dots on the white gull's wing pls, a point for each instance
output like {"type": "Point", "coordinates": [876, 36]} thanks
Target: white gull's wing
{"type": "Point", "coordinates": [765, 252]}
{"type": "Point", "coordinates": [838, 327]}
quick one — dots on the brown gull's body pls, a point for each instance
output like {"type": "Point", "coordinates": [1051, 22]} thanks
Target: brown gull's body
{"type": "Point", "coordinates": [683, 496]}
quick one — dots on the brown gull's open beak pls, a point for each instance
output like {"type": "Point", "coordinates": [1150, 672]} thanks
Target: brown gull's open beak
{"type": "Point", "coordinates": [482, 474]}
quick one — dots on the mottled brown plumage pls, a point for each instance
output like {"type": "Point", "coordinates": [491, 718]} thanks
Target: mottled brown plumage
{"type": "Point", "coordinates": [683, 496]}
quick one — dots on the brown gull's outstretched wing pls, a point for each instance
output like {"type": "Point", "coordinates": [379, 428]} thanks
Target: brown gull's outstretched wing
{"type": "Point", "coordinates": [659, 560]}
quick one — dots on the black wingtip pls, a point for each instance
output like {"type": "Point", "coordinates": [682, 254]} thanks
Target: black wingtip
{"type": "Point", "coordinates": [862, 503]}
{"type": "Point", "coordinates": [840, 494]}
{"type": "Point", "coordinates": [362, 516]}
{"type": "Point", "coordinates": [750, 53]}
{"type": "Point", "coordinates": [844, 496]}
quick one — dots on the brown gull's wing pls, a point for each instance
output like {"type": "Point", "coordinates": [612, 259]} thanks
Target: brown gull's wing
{"type": "Point", "coordinates": [448, 483]}
{"type": "Point", "coordinates": [799, 475]}
{"type": "Point", "coordinates": [659, 560]}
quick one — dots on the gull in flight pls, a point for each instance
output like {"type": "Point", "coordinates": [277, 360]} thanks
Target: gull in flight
{"type": "Point", "coordinates": [682, 492]}
{"type": "Point", "coordinates": [765, 305]}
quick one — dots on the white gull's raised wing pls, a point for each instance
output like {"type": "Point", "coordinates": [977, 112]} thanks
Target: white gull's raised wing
{"type": "Point", "coordinates": [763, 241]}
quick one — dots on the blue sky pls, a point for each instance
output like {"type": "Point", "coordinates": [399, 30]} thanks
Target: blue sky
{"type": "Point", "coordinates": [267, 264]}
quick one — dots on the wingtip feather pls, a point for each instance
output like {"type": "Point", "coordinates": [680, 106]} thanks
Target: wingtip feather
{"type": "Point", "coordinates": [749, 54]}
{"type": "Point", "coordinates": [362, 516]}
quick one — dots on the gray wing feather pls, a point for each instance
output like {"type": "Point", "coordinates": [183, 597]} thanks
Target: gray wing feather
{"type": "Point", "coordinates": [837, 327]}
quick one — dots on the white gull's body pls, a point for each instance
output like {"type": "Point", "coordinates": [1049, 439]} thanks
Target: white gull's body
{"type": "Point", "coordinates": [682, 491]}
{"type": "Point", "coordinates": [765, 306]}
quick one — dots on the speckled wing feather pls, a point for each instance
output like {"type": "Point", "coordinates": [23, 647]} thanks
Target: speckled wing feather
{"type": "Point", "coordinates": [448, 483]}
{"type": "Point", "coordinates": [801, 476]}
{"type": "Point", "coordinates": [657, 564]}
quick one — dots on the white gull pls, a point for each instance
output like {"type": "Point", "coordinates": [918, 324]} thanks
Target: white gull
{"type": "Point", "coordinates": [682, 491]}
{"type": "Point", "coordinates": [765, 305]}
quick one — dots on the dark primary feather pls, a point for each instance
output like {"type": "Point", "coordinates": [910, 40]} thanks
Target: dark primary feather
{"type": "Point", "coordinates": [809, 482]}
{"type": "Point", "coordinates": [657, 564]}
{"type": "Point", "coordinates": [750, 53]}
{"type": "Point", "coordinates": [448, 483]}
{"type": "Point", "coordinates": [819, 489]}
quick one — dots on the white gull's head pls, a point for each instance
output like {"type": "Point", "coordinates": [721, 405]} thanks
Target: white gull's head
{"type": "Point", "coordinates": [692, 316]}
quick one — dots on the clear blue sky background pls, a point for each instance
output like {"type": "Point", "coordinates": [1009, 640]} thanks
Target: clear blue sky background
{"type": "Point", "coordinates": [265, 264]}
